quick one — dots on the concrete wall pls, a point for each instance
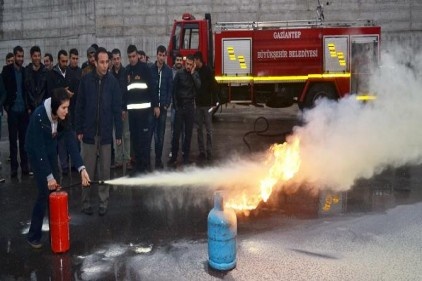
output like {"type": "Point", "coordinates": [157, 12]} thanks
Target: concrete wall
{"type": "Point", "coordinates": [57, 24]}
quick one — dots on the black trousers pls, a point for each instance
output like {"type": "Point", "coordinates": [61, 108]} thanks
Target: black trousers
{"type": "Point", "coordinates": [140, 137]}
{"type": "Point", "coordinates": [17, 123]}
{"type": "Point", "coordinates": [185, 115]}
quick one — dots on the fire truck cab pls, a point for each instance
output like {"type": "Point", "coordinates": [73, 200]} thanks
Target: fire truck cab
{"type": "Point", "coordinates": [282, 62]}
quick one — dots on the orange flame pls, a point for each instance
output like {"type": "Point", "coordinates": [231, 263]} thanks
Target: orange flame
{"type": "Point", "coordinates": [284, 162]}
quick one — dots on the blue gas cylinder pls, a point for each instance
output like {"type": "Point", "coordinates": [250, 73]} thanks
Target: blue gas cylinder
{"type": "Point", "coordinates": [222, 232]}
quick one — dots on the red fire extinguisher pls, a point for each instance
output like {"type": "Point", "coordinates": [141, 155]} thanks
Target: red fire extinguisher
{"type": "Point", "coordinates": [59, 222]}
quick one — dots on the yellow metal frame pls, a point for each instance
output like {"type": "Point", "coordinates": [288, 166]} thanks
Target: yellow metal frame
{"type": "Point", "coordinates": [365, 97]}
{"type": "Point", "coordinates": [294, 78]}
{"type": "Point", "coordinates": [298, 78]}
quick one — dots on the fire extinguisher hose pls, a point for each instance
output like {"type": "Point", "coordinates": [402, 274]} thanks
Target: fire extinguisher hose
{"type": "Point", "coordinates": [79, 184]}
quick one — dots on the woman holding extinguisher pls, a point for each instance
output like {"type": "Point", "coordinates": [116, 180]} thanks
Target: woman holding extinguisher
{"type": "Point", "coordinates": [48, 122]}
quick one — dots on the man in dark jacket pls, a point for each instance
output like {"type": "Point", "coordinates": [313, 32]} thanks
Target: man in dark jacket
{"type": "Point", "coordinates": [205, 103]}
{"type": "Point", "coordinates": [162, 77]}
{"type": "Point", "coordinates": [76, 74]}
{"type": "Point", "coordinates": [2, 99]}
{"type": "Point", "coordinates": [36, 80]}
{"type": "Point", "coordinates": [17, 111]}
{"type": "Point", "coordinates": [142, 104]}
{"type": "Point", "coordinates": [122, 155]}
{"type": "Point", "coordinates": [98, 109]}
{"type": "Point", "coordinates": [185, 86]}
{"type": "Point", "coordinates": [61, 77]}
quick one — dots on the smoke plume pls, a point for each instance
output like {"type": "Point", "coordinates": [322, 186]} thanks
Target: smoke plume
{"type": "Point", "coordinates": [340, 141]}
{"type": "Point", "coordinates": [347, 140]}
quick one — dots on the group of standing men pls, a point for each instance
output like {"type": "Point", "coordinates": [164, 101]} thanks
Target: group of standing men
{"type": "Point", "coordinates": [107, 98]}
{"type": "Point", "coordinates": [152, 89]}
{"type": "Point", "coordinates": [188, 89]}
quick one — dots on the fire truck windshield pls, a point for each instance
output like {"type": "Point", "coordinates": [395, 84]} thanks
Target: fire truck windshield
{"type": "Point", "coordinates": [186, 36]}
{"type": "Point", "coordinates": [190, 36]}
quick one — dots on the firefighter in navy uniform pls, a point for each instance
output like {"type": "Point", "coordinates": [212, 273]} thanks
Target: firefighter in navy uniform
{"type": "Point", "coordinates": [141, 104]}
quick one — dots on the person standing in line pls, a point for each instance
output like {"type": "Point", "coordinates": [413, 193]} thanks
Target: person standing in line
{"type": "Point", "coordinates": [186, 84]}
{"type": "Point", "coordinates": [98, 109]}
{"type": "Point", "coordinates": [61, 77]}
{"type": "Point", "coordinates": [10, 58]}
{"type": "Point", "coordinates": [76, 74]}
{"type": "Point", "coordinates": [205, 102]}
{"type": "Point", "coordinates": [48, 61]}
{"type": "Point", "coordinates": [142, 56]}
{"type": "Point", "coordinates": [162, 77]}
{"type": "Point", "coordinates": [177, 65]}
{"type": "Point", "coordinates": [48, 121]}
{"type": "Point", "coordinates": [90, 65]}
{"type": "Point", "coordinates": [2, 99]}
{"type": "Point", "coordinates": [36, 76]}
{"type": "Point", "coordinates": [17, 111]}
{"type": "Point", "coordinates": [87, 62]}
{"type": "Point", "coordinates": [74, 64]}
{"type": "Point", "coordinates": [35, 82]}
{"type": "Point", "coordinates": [113, 147]}
{"type": "Point", "coordinates": [141, 102]}
{"type": "Point", "coordinates": [122, 151]}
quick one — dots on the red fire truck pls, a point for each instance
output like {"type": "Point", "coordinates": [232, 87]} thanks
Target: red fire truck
{"type": "Point", "coordinates": [282, 62]}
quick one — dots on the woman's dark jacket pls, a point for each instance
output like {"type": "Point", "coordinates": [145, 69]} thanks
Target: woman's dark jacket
{"type": "Point", "coordinates": [41, 144]}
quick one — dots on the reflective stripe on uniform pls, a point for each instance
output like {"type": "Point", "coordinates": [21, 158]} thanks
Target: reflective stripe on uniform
{"type": "Point", "coordinates": [137, 86]}
{"type": "Point", "coordinates": [139, 105]}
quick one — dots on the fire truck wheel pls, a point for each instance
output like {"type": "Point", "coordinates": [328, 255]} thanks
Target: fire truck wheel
{"type": "Point", "coordinates": [319, 91]}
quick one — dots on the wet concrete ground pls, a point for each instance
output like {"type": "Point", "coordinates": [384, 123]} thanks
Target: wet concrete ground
{"type": "Point", "coordinates": [158, 233]}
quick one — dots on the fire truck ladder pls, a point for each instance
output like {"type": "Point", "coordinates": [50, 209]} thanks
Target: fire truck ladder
{"type": "Point", "coordinates": [261, 25]}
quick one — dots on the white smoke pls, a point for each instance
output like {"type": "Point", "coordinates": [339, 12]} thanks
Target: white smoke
{"type": "Point", "coordinates": [347, 140]}
{"type": "Point", "coordinates": [340, 142]}
{"type": "Point", "coordinates": [235, 172]}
